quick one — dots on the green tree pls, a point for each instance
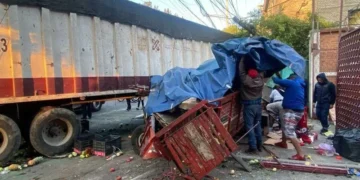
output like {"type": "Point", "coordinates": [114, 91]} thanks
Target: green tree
{"type": "Point", "coordinates": [292, 31]}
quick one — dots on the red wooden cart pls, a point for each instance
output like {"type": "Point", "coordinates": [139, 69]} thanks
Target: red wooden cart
{"type": "Point", "coordinates": [197, 140]}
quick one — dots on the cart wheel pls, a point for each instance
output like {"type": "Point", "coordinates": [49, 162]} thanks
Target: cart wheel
{"type": "Point", "coordinates": [136, 138]}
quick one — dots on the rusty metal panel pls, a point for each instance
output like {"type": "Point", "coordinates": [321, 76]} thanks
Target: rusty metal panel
{"type": "Point", "coordinates": [197, 141]}
{"type": "Point", "coordinates": [348, 81]}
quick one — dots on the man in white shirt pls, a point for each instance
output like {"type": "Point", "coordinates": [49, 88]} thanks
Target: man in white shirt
{"type": "Point", "coordinates": [275, 106]}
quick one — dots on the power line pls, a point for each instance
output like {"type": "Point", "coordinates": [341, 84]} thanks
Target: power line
{"type": "Point", "coordinates": [202, 9]}
{"type": "Point", "coordinates": [186, 6]}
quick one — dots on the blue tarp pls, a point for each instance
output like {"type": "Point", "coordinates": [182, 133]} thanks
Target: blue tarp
{"type": "Point", "coordinates": [213, 78]}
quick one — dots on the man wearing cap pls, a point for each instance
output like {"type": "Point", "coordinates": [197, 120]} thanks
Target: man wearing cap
{"type": "Point", "coordinates": [252, 83]}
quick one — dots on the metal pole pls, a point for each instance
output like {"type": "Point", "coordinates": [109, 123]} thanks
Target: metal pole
{"type": "Point", "coordinates": [247, 132]}
{"type": "Point", "coordinates": [340, 21]}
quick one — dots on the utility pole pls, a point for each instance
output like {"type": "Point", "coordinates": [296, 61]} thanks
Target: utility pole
{"type": "Point", "coordinates": [341, 14]}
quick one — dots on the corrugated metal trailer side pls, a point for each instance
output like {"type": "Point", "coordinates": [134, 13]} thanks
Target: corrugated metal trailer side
{"type": "Point", "coordinates": [54, 55]}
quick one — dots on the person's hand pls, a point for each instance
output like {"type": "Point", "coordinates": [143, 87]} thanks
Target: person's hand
{"type": "Point", "coordinates": [278, 74]}
{"type": "Point", "coordinates": [331, 106]}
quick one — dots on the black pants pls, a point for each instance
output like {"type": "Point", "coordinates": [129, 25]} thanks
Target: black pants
{"type": "Point", "coordinates": [128, 102]}
{"type": "Point", "coordinates": [142, 102]}
{"type": "Point", "coordinates": [86, 110]}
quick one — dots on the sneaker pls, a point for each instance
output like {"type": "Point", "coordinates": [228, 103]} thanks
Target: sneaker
{"type": "Point", "coordinates": [251, 151]}
{"type": "Point", "coordinates": [282, 145]}
{"type": "Point", "coordinates": [298, 157]}
{"type": "Point", "coordinates": [323, 131]}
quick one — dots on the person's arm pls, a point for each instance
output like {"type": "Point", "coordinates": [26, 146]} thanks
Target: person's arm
{"type": "Point", "coordinates": [245, 79]}
{"type": "Point", "coordinates": [282, 82]}
{"type": "Point", "coordinates": [332, 90]}
{"type": "Point", "coordinates": [314, 95]}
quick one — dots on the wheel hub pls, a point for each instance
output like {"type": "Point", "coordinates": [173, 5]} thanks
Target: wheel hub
{"type": "Point", "coordinates": [3, 140]}
{"type": "Point", "coordinates": [57, 132]}
{"type": "Point", "coordinates": [97, 105]}
{"type": "Point", "coordinates": [140, 139]}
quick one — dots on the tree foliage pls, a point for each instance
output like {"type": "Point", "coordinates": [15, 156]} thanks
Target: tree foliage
{"type": "Point", "coordinates": [292, 31]}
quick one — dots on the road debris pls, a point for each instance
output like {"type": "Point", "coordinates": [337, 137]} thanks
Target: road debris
{"type": "Point", "coordinates": [35, 161]}
{"type": "Point", "coordinates": [118, 178]}
{"type": "Point", "coordinates": [112, 170]}
{"type": "Point", "coordinates": [14, 167]}
{"type": "Point", "coordinates": [130, 159]}
{"type": "Point", "coordinates": [232, 172]}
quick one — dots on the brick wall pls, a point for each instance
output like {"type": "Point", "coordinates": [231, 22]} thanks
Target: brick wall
{"type": "Point", "coordinates": [328, 51]}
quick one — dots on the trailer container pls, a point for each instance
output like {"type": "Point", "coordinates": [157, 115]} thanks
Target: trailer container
{"type": "Point", "coordinates": [58, 53]}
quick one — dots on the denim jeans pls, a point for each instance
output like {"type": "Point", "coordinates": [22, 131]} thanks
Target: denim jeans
{"type": "Point", "coordinates": [322, 112]}
{"type": "Point", "coordinates": [252, 115]}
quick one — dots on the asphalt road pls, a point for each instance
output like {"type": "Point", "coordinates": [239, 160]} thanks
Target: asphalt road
{"type": "Point", "coordinates": [114, 118]}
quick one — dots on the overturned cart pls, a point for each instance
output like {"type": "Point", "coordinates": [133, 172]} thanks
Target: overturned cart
{"type": "Point", "coordinates": [193, 114]}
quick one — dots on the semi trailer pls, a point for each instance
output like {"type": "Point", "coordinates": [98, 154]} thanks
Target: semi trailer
{"type": "Point", "coordinates": [58, 54]}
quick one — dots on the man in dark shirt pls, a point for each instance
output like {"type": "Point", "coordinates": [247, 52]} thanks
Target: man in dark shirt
{"type": "Point", "coordinates": [324, 97]}
{"type": "Point", "coordinates": [252, 83]}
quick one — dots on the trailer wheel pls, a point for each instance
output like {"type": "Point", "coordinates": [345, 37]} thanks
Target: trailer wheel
{"type": "Point", "coordinates": [10, 139]}
{"type": "Point", "coordinates": [136, 138]}
{"type": "Point", "coordinates": [53, 131]}
{"type": "Point", "coordinates": [96, 106]}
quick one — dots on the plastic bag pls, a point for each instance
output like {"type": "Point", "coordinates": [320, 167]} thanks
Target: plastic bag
{"type": "Point", "coordinates": [326, 149]}
{"type": "Point", "coordinates": [347, 143]}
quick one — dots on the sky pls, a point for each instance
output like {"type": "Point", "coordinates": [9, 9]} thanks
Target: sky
{"type": "Point", "coordinates": [175, 6]}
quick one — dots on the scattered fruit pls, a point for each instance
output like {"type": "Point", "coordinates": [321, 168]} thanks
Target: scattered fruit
{"type": "Point", "coordinates": [74, 154]}
{"type": "Point", "coordinates": [119, 153]}
{"type": "Point", "coordinates": [232, 172]}
{"type": "Point", "coordinates": [82, 156]}
{"type": "Point", "coordinates": [70, 156]}
{"type": "Point", "coordinates": [130, 159]}
{"type": "Point", "coordinates": [1, 169]}
{"type": "Point", "coordinates": [14, 167]}
{"type": "Point", "coordinates": [118, 178]}
{"type": "Point", "coordinates": [87, 155]}
{"type": "Point", "coordinates": [112, 169]}
{"type": "Point", "coordinates": [274, 169]}
{"type": "Point", "coordinates": [36, 160]}
{"type": "Point", "coordinates": [307, 163]}
{"type": "Point", "coordinates": [25, 165]}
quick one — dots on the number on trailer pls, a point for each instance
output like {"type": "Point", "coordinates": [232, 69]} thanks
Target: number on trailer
{"type": "Point", "coordinates": [3, 45]}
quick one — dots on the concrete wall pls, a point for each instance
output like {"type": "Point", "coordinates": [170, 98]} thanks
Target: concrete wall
{"type": "Point", "coordinates": [330, 9]}
{"type": "Point", "coordinates": [292, 8]}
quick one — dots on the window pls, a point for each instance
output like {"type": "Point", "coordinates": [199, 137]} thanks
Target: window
{"type": "Point", "coordinates": [354, 17]}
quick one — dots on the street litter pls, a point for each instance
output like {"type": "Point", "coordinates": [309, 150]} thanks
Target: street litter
{"type": "Point", "coordinates": [232, 172]}
{"type": "Point", "coordinates": [325, 149]}
{"type": "Point", "coordinates": [112, 170]}
{"type": "Point", "coordinates": [130, 159]}
{"type": "Point", "coordinates": [36, 160]}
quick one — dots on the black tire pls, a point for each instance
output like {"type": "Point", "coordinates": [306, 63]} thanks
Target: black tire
{"type": "Point", "coordinates": [10, 139]}
{"type": "Point", "coordinates": [52, 132]}
{"type": "Point", "coordinates": [137, 133]}
{"type": "Point", "coordinates": [96, 106]}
